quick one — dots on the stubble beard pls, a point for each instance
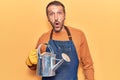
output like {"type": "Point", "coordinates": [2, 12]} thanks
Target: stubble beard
{"type": "Point", "coordinates": [57, 31]}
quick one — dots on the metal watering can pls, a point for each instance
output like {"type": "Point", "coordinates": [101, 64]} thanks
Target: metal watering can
{"type": "Point", "coordinates": [47, 65]}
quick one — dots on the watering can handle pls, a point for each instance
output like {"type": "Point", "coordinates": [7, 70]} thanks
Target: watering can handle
{"type": "Point", "coordinates": [49, 47]}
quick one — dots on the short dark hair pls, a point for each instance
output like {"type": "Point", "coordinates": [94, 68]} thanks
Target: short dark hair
{"type": "Point", "coordinates": [57, 3]}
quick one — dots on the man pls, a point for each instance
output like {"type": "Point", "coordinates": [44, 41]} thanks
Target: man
{"type": "Point", "coordinates": [67, 40]}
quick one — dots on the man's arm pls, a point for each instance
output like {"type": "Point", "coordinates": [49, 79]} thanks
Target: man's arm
{"type": "Point", "coordinates": [86, 59]}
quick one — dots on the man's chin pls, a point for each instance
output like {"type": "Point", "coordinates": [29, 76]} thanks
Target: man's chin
{"type": "Point", "coordinates": [57, 31]}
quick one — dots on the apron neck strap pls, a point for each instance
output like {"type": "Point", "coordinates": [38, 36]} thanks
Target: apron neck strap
{"type": "Point", "coordinates": [67, 30]}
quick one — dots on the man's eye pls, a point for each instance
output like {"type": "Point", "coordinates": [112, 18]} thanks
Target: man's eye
{"type": "Point", "coordinates": [59, 12]}
{"type": "Point", "coordinates": [51, 14]}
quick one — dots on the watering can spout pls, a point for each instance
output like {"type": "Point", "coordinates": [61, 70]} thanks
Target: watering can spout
{"type": "Point", "coordinates": [65, 58]}
{"type": "Point", "coordinates": [55, 67]}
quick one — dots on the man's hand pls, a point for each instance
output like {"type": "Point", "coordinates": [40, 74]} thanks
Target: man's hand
{"type": "Point", "coordinates": [32, 58]}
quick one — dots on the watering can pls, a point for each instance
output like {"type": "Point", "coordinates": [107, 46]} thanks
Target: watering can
{"type": "Point", "coordinates": [47, 65]}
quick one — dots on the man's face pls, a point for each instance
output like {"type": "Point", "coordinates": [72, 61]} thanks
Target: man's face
{"type": "Point", "coordinates": [56, 17]}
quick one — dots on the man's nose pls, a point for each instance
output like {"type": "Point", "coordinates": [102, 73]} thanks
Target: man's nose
{"type": "Point", "coordinates": [56, 16]}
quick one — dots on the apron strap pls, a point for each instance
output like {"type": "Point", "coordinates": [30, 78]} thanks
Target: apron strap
{"type": "Point", "coordinates": [68, 32]}
{"type": "Point", "coordinates": [51, 34]}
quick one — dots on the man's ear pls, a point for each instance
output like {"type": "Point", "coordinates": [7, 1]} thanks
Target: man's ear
{"type": "Point", "coordinates": [64, 17]}
{"type": "Point", "coordinates": [48, 19]}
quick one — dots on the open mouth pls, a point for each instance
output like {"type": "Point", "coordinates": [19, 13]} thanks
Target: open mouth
{"type": "Point", "coordinates": [56, 23]}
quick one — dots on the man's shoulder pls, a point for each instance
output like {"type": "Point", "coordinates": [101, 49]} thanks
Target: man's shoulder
{"type": "Point", "coordinates": [45, 36]}
{"type": "Point", "coordinates": [46, 33]}
{"type": "Point", "coordinates": [75, 31]}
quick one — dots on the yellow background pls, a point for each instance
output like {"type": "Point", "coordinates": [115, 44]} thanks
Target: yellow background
{"type": "Point", "coordinates": [23, 21]}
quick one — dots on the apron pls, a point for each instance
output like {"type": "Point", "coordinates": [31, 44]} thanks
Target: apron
{"type": "Point", "coordinates": [68, 70]}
